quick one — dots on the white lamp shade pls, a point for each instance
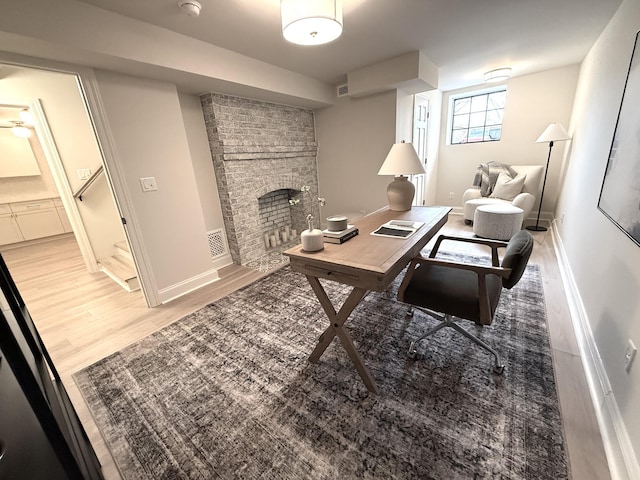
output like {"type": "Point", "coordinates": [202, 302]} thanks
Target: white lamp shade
{"type": "Point", "coordinates": [311, 22]}
{"type": "Point", "coordinates": [402, 160]}
{"type": "Point", "coordinates": [553, 133]}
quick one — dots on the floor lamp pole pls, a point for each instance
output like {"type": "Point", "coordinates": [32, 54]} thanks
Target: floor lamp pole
{"type": "Point", "coordinates": [536, 227]}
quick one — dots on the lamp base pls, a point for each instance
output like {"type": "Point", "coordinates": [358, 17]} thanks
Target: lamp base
{"type": "Point", "coordinates": [536, 228]}
{"type": "Point", "coordinates": [400, 194]}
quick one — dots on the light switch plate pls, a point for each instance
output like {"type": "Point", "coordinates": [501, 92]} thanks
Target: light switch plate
{"type": "Point", "coordinates": [84, 173]}
{"type": "Point", "coordinates": [148, 184]}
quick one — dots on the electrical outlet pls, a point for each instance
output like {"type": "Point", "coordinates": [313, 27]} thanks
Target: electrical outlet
{"type": "Point", "coordinates": [629, 355]}
{"type": "Point", "coordinates": [452, 195]}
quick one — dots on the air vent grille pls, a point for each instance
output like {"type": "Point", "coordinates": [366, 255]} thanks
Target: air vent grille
{"type": "Point", "coordinates": [342, 90]}
{"type": "Point", "coordinates": [217, 243]}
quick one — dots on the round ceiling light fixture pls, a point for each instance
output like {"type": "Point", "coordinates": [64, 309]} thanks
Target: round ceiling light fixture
{"type": "Point", "coordinates": [497, 75]}
{"type": "Point", "coordinates": [19, 130]}
{"type": "Point", "coordinates": [311, 22]}
{"type": "Point", "coordinates": [190, 7]}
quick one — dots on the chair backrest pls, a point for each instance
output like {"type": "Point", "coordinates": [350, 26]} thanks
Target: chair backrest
{"type": "Point", "coordinates": [533, 181]}
{"type": "Point", "coordinates": [516, 257]}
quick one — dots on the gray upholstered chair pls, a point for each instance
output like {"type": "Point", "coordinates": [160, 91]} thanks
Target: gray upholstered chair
{"type": "Point", "coordinates": [465, 291]}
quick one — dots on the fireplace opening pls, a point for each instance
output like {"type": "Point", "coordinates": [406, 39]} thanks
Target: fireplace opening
{"type": "Point", "coordinates": [279, 222]}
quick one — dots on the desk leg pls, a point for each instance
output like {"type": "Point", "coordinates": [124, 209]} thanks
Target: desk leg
{"type": "Point", "coordinates": [336, 327]}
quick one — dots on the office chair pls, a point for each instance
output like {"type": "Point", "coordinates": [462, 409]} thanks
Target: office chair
{"type": "Point", "coordinates": [465, 291]}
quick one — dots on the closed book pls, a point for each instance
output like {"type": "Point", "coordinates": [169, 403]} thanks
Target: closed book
{"type": "Point", "coordinates": [342, 239]}
{"type": "Point", "coordinates": [340, 234]}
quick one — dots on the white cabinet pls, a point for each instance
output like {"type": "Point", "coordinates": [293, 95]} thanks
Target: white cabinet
{"type": "Point", "coordinates": [62, 213]}
{"type": "Point", "coordinates": [9, 231]}
{"type": "Point", "coordinates": [22, 221]}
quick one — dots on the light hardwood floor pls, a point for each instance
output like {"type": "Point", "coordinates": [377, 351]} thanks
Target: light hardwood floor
{"type": "Point", "coordinates": [83, 317]}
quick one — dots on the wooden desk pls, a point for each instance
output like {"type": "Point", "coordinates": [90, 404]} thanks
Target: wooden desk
{"type": "Point", "coordinates": [366, 262]}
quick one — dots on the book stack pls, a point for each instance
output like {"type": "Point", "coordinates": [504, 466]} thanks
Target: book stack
{"type": "Point", "coordinates": [341, 236]}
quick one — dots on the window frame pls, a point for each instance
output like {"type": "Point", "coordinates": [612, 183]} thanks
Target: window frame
{"type": "Point", "coordinates": [469, 94]}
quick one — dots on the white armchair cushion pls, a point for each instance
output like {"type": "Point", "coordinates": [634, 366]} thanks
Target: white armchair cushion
{"type": "Point", "coordinates": [507, 188]}
{"type": "Point", "coordinates": [472, 197]}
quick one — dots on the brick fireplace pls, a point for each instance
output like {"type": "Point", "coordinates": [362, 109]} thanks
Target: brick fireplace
{"type": "Point", "coordinates": [263, 153]}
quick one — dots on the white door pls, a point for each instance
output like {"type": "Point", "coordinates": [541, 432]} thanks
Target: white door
{"type": "Point", "coordinates": [420, 120]}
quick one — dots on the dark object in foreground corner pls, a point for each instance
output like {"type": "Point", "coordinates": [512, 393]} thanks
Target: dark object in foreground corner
{"type": "Point", "coordinates": [40, 434]}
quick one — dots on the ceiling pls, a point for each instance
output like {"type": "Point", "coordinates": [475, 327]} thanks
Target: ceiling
{"type": "Point", "coordinates": [464, 38]}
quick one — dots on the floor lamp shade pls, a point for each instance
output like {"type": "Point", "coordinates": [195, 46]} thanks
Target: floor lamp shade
{"type": "Point", "coordinates": [401, 160]}
{"type": "Point", "coordinates": [553, 133]}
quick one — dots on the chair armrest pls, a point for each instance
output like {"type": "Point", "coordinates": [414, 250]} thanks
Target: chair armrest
{"type": "Point", "coordinates": [470, 194]}
{"type": "Point", "coordinates": [479, 269]}
{"type": "Point", "coordinates": [525, 202]}
{"type": "Point", "coordinates": [493, 244]}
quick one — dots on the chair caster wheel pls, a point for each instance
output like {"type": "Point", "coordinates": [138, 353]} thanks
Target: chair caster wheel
{"type": "Point", "coordinates": [409, 312]}
{"type": "Point", "coordinates": [498, 369]}
{"type": "Point", "coordinates": [412, 354]}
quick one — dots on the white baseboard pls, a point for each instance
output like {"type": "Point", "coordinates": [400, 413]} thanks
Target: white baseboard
{"type": "Point", "coordinates": [222, 261]}
{"type": "Point", "coordinates": [623, 464]}
{"type": "Point", "coordinates": [187, 286]}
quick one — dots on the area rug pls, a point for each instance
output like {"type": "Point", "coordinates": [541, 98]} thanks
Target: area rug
{"type": "Point", "coordinates": [227, 392]}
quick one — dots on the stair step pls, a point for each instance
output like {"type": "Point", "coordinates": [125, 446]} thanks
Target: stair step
{"type": "Point", "coordinates": [123, 249]}
{"type": "Point", "coordinates": [120, 269]}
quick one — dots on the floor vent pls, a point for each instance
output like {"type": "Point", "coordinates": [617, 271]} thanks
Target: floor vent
{"type": "Point", "coordinates": [217, 243]}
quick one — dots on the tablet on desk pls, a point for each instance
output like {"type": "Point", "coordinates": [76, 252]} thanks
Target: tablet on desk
{"type": "Point", "coordinates": [397, 229]}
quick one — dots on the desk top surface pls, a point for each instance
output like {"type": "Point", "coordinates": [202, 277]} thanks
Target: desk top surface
{"type": "Point", "coordinates": [369, 254]}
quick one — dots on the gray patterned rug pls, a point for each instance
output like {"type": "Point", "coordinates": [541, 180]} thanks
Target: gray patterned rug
{"type": "Point", "coordinates": [227, 393]}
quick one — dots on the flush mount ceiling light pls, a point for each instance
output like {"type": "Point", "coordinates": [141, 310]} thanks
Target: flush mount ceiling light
{"type": "Point", "coordinates": [497, 75]}
{"type": "Point", "coordinates": [26, 116]}
{"type": "Point", "coordinates": [19, 130]}
{"type": "Point", "coordinates": [190, 7]}
{"type": "Point", "coordinates": [311, 22]}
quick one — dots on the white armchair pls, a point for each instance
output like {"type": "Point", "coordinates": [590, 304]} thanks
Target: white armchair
{"type": "Point", "coordinates": [472, 199]}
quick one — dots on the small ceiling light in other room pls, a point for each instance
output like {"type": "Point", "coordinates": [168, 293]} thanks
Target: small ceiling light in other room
{"type": "Point", "coordinates": [311, 22]}
{"type": "Point", "coordinates": [19, 130]}
{"type": "Point", "coordinates": [190, 7]}
{"type": "Point", "coordinates": [497, 75]}
{"type": "Point", "coordinates": [26, 116]}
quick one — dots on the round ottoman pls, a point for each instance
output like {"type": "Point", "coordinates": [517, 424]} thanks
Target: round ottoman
{"type": "Point", "coordinates": [499, 222]}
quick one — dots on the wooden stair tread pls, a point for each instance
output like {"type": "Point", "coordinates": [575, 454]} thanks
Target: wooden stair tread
{"type": "Point", "coordinates": [123, 246]}
{"type": "Point", "coordinates": [120, 266]}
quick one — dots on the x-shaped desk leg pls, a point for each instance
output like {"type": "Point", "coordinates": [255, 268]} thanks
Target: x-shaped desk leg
{"type": "Point", "coordinates": [336, 327]}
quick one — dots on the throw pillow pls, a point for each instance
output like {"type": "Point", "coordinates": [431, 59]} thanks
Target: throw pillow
{"type": "Point", "coordinates": [508, 188]}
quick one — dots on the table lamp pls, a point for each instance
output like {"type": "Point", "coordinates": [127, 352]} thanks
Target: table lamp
{"type": "Point", "coordinates": [402, 160]}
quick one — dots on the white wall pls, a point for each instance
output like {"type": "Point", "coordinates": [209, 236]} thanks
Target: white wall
{"type": "Point", "coordinates": [354, 137]}
{"type": "Point", "coordinates": [533, 101]}
{"type": "Point", "coordinates": [603, 260]}
{"type": "Point", "coordinates": [202, 162]}
{"type": "Point", "coordinates": [147, 129]}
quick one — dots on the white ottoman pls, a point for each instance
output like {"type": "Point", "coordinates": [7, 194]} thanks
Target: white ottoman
{"type": "Point", "coordinates": [500, 222]}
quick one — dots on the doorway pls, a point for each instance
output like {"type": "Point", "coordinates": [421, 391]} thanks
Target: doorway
{"type": "Point", "coordinates": [420, 128]}
{"type": "Point", "coordinates": [68, 154]}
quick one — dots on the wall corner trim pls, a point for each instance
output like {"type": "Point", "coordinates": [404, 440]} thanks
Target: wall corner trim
{"type": "Point", "coordinates": [623, 464]}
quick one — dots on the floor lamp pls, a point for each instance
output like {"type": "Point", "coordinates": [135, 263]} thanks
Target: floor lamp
{"type": "Point", "coordinates": [553, 133]}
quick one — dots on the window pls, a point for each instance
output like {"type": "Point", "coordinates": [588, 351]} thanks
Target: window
{"type": "Point", "coordinates": [477, 117]}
